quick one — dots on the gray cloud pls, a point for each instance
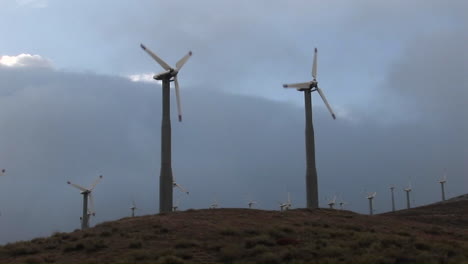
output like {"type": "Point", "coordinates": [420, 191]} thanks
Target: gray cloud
{"type": "Point", "coordinates": [59, 126]}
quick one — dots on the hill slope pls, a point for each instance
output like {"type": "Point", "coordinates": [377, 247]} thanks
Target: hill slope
{"type": "Point", "coordinates": [257, 236]}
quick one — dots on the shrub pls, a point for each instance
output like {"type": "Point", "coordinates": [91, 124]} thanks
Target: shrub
{"type": "Point", "coordinates": [135, 244]}
{"type": "Point", "coordinates": [170, 260]}
{"type": "Point", "coordinates": [186, 244]}
{"type": "Point", "coordinates": [229, 232]}
{"type": "Point", "coordinates": [268, 257]}
{"type": "Point", "coordinates": [105, 234]}
{"type": "Point", "coordinates": [259, 240]}
{"type": "Point", "coordinates": [231, 253]}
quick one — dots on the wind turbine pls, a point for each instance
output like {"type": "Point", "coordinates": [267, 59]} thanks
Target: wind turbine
{"type": "Point", "coordinates": [133, 208]}
{"type": "Point", "coordinates": [408, 190]}
{"type": "Point", "coordinates": [2, 172]}
{"type": "Point", "coordinates": [332, 202]}
{"type": "Point", "coordinates": [371, 203]}
{"type": "Point", "coordinates": [392, 188]}
{"type": "Point", "coordinates": [251, 203]}
{"type": "Point", "coordinates": [311, 173]}
{"type": "Point", "coordinates": [287, 205]}
{"type": "Point", "coordinates": [169, 74]}
{"type": "Point", "coordinates": [87, 193]}
{"type": "Point", "coordinates": [215, 204]}
{"type": "Point", "coordinates": [442, 184]}
{"type": "Point", "coordinates": [175, 206]}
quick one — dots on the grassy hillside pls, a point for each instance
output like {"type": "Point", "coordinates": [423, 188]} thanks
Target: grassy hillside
{"type": "Point", "coordinates": [257, 236]}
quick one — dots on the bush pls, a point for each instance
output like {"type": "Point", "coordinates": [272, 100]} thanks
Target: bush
{"type": "Point", "coordinates": [268, 257]}
{"type": "Point", "coordinates": [170, 260]}
{"type": "Point", "coordinates": [230, 253]}
{"type": "Point", "coordinates": [259, 240]}
{"type": "Point", "coordinates": [229, 232]}
{"type": "Point", "coordinates": [135, 244]}
{"type": "Point", "coordinates": [186, 244]}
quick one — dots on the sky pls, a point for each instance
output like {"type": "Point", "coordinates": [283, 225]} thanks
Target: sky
{"type": "Point", "coordinates": [77, 101]}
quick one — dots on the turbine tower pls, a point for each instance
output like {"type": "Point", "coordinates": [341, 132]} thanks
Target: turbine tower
{"type": "Point", "coordinates": [287, 205]}
{"type": "Point", "coordinates": [133, 208]}
{"type": "Point", "coordinates": [311, 171]}
{"type": "Point", "coordinates": [408, 190]}
{"type": "Point", "coordinates": [251, 203]}
{"type": "Point", "coordinates": [442, 185]}
{"type": "Point", "coordinates": [392, 188]}
{"type": "Point", "coordinates": [165, 178]}
{"type": "Point", "coordinates": [87, 193]}
{"type": "Point", "coordinates": [371, 203]}
{"type": "Point", "coordinates": [332, 202]}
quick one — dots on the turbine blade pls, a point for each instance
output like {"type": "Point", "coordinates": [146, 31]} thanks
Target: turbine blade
{"type": "Point", "coordinates": [181, 188]}
{"type": "Point", "coordinates": [326, 102]}
{"type": "Point", "coordinates": [304, 85]}
{"type": "Point", "coordinates": [314, 65]}
{"type": "Point", "coordinates": [156, 58]}
{"type": "Point", "coordinates": [177, 92]}
{"type": "Point", "coordinates": [81, 188]}
{"type": "Point", "coordinates": [95, 182]}
{"type": "Point", "coordinates": [182, 61]}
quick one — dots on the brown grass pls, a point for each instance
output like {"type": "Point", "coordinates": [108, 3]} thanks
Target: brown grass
{"type": "Point", "coordinates": [421, 235]}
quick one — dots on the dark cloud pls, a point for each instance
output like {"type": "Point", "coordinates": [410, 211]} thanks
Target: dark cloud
{"type": "Point", "coordinates": [59, 126]}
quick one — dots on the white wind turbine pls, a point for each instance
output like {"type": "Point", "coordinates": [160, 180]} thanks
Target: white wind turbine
{"type": "Point", "coordinates": [371, 196]}
{"type": "Point", "coordinates": [251, 203]}
{"type": "Point", "coordinates": [442, 184]}
{"type": "Point", "coordinates": [175, 206]}
{"type": "Point", "coordinates": [392, 189]}
{"type": "Point", "coordinates": [331, 203]}
{"type": "Point", "coordinates": [169, 74]}
{"type": "Point", "coordinates": [408, 190]}
{"type": "Point", "coordinates": [2, 172]}
{"type": "Point", "coordinates": [215, 204]}
{"type": "Point", "coordinates": [287, 205]}
{"type": "Point", "coordinates": [311, 173]}
{"type": "Point", "coordinates": [87, 193]}
{"type": "Point", "coordinates": [133, 208]}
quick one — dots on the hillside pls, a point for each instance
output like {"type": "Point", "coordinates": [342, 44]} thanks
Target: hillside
{"type": "Point", "coordinates": [257, 236]}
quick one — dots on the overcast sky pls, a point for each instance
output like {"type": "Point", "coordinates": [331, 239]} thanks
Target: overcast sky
{"type": "Point", "coordinates": [394, 71]}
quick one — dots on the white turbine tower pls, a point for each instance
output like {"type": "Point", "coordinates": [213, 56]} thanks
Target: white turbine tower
{"type": "Point", "coordinates": [287, 205]}
{"type": "Point", "coordinates": [165, 178]}
{"type": "Point", "coordinates": [408, 190]}
{"type": "Point", "coordinates": [87, 193]}
{"type": "Point", "coordinates": [175, 206]}
{"type": "Point", "coordinates": [215, 204]}
{"type": "Point", "coordinates": [311, 172]}
{"type": "Point", "coordinates": [251, 204]}
{"type": "Point", "coordinates": [133, 208]}
{"type": "Point", "coordinates": [442, 184]}
{"type": "Point", "coordinates": [371, 202]}
{"type": "Point", "coordinates": [331, 203]}
{"type": "Point", "coordinates": [392, 189]}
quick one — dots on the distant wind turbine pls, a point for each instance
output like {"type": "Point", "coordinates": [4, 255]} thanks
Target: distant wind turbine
{"type": "Point", "coordinates": [133, 208]}
{"type": "Point", "coordinates": [442, 184]}
{"type": "Point", "coordinates": [311, 173]}
{"type": "Point", "coordinates": [287, 205]}
{"type": "Point", "coordinates": [371, 203]}
{"type": "Point", "coordinates": [392, 189]}
{"type": "Point", "coordinates": [87, 193]}
{"type": "Point", "coordinates": [331, 203]}
{"type": "Point", "coordinates": [408, 190]}
{"type": "Point", "coordinates": [165, 178]}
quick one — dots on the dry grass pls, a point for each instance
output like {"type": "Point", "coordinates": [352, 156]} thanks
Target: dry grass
{"type": "Point", "coordinates": [421, 235]}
